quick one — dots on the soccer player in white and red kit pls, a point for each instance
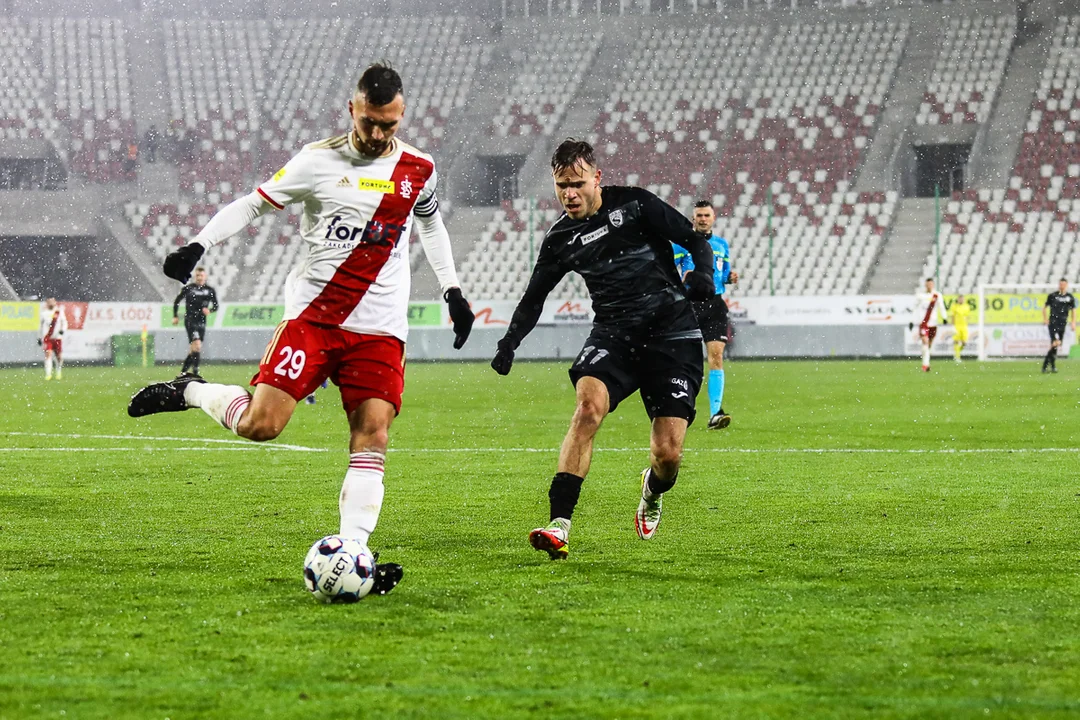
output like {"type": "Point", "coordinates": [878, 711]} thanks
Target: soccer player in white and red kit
{"type": "Point", "coordinates": [53, 326]}
{"type": "Point", "coordinates": [346, 302]}
{"type": "Point", "coordinates": [929, 311]}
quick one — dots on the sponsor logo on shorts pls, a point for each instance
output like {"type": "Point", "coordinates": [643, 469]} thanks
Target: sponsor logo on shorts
{"type": "Point", "coordinates": [684, 384]}
{"type": "Point", "coordinates": [679, 395]}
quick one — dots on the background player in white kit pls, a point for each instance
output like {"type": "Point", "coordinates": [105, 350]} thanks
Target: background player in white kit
{"type": "Point", "coordinates": [53, 326]}
{"type": "Point", "coordinates": [346, 303]}
{"type": "Point", "coordinates": [929, 311]}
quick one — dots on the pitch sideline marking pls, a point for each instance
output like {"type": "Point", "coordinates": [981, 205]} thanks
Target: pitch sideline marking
{"type": "Point", "coordinates": [246, 444]}
{"type": "Point", "coordinates": [768, 451]}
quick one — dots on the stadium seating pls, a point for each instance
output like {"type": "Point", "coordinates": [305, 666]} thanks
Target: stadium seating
{"type": "Point", "coordinates": [968, 70]}
{"type": "Point", "coordinates": [796, 135]}
{"type": "Point", "coordinates": [499, 264]}
{"type": "Point", "coordinates": [552, 68]}
{"type": "Point", "coordinates": [1035, 222]}
{"type": "Point", "coordinates": [668, 113]}
{"type": "Point", "coordinates": [164, 227]}
{"type": "Point", "coordinates": [88, 59]}
{"type": "Point", "coordinates": [301, 106]}
{"type": "Point", "coordinates": [73, 73]}
{"type": "Point", "coordinates": [216, 76]}
{"type": "Point", "coordinates": [26, 110]}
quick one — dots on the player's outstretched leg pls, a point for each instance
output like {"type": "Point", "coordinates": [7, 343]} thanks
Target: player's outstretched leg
{"type": "Point", "coordinates": [666, 456]}
{"type": "Point", "coordinates": [164, 396]}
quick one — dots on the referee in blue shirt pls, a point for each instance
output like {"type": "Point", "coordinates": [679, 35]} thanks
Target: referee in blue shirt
{"type": "Point", "coordinates": [712, 314]}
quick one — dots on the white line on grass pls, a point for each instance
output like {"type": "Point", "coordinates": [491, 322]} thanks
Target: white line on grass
{"type": "Point", "coordinates": [247, 444]}
{"type": "Point", "coordinates": [766, 451]}
{"type": "Point", "coordinates": [139, 449]}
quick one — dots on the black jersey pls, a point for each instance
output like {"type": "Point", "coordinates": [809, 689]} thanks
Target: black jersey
{"type": "Point", "coordinates": [195, 297]}
{"type": "Point", "coordinates": [624, 254]}
{"type": "Point", "coordinates": [1060, 304]}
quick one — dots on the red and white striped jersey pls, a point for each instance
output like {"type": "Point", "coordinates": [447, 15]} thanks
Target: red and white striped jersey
{"type": "Point", "coordinates": [929, 307]}
{"type": "Point", "coordinates": [53, 323]}
{"type": "Point", "coordinates": [358, 215]}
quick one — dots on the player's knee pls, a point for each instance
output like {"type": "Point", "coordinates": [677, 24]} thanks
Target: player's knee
{"type": "Point", "coordinates": [668, 456]}
{"type": "Point", "coordinates": [589, 413]}
{"type": "Point", "coordinates": [259, 428]}
{"type": "Point", "coordinates": [369, 439]}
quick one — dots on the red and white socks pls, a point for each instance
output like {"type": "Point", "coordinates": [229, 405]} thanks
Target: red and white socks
{"type": "Point", "coordinates": [225, 403]}
{"type": "Point", "coordinates": [362, 495]}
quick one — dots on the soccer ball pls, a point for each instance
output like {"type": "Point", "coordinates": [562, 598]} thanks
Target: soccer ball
{"type": "Point", "coordinates": [339, 570]}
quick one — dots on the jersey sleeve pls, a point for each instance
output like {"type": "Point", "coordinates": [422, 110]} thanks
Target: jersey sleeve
{"type": "Point", "coordinates": [545, 276]}
{"type": "Point", "coordinates": [725, 261]}
{"type": "Point", "coordinates": [292, 183]}
{"type": "Point", "coordinates": [683, 262]}
{"type": "Point", "coordinates": [670, 224]}
{"type": "Point", "coordinates": [427, 204]}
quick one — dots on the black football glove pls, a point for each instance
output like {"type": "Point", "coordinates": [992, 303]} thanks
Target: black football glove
{"type": "Point", "coordinates": [39, 342]}
{"type": "Point", "coordinates": [700, 285]}
{"type": "Point", "coordinates": [504, 358]}
{"type": "Point", "coordinates": [179, 263]}
{"type": "Point", "coordinates": [911, 326]}
{"type": "Point", "coordinates": [460, 314]}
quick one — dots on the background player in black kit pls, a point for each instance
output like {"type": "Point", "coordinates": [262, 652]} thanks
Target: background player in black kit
{"type": "Point", "coordinates": [199, 301]}
{"type": "Point", "coordinates": [1059, 305]}
{"type": "Point", "coordinates": [645, 336]}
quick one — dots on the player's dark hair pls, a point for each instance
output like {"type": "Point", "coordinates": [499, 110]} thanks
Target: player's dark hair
{"type": "Point", "coordinates": [1063, 280]}
{"type": "Point", "coordinates": [380, 84]}
{"type": "Point", "coordinates": [200, 269]}
{"type": "Point", "coordinates": [570, 152]}
{"type": "Point", "coordinates": [703, 204]}
{"type": "Point", "coordinates": [929, 279]}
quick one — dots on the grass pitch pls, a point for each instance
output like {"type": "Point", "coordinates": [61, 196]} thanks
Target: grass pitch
{"type": "Point", "coordinates": [863, 541]}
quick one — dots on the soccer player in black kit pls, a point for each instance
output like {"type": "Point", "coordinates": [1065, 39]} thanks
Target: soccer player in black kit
{"type": "Point", "coordinates": [1059, 305]}
{"type": "Point", "coordinates": [199, 301]}
{"type": "Point", "coordinates": [644, 337]}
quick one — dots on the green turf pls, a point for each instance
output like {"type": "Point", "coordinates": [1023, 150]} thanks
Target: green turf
{"type": "Point", "coordinates": [161, 578]}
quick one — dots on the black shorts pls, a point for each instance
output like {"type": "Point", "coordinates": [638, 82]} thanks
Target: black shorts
{"type": "Point", "coordinates": [1057, 332]}
{"type": "Point", "coordinates": [195, 332]}
{"type": "Point", "coordinates": [668, 372]}
{"type": "Point", "coordinates": [712, 317]}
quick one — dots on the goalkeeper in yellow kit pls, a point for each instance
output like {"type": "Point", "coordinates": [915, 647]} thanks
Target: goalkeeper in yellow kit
{"type": "Point", "coordinates": [958, 315]}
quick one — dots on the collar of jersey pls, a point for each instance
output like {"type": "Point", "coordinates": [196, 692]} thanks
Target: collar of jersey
{"type": "Point", "coordinates": [357, 155]}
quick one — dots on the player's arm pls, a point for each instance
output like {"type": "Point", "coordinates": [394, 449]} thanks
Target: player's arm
{"type": "Point", "coordinates": [683, 263]}
{"type": "Point", "coordinates": [1046, 307]}
{"type": "Point", "coordinates": [670, 224]}
{"type": "Point", "coordinates": [290, 184]}
{"type": "Point", "coordinates": [727, 275]}
{"type": "Point", "coordinates": [176, 304]}
{"type": "Point", "coordinates": [62, 325]}
{"type": "Point", "coordinates": [213, 300]}
{"type": "Point", "coordinates": [943, 316]}
{"type": "Point", "coordinates": [545, 276]}
{"type": "Point", "coordinates": [440, 256]}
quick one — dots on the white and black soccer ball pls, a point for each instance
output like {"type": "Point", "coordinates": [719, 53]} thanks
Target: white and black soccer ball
{"type": "Point", "coordinates": [339, 570]}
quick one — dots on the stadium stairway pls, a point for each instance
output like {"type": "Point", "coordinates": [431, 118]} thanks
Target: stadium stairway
{"type": "Point", "coordinates": [898, 267]}
{"type": "Point", "coordinates": [992, 166]}
{"type": "Point", "coordinates": [458, 163]}
{"type": "Point", "coordinates": [465, 227]}
{"type": "Point", "coordinates": [581, 114]}
{"type": "Point", "coordinates": [6, 291]}
{"type": "Point", "coordinates": [924, 42]}
{"type": "Point", "coordinates": [149, 83]}
{"type": "Point", "coordinates": [136, 249]}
